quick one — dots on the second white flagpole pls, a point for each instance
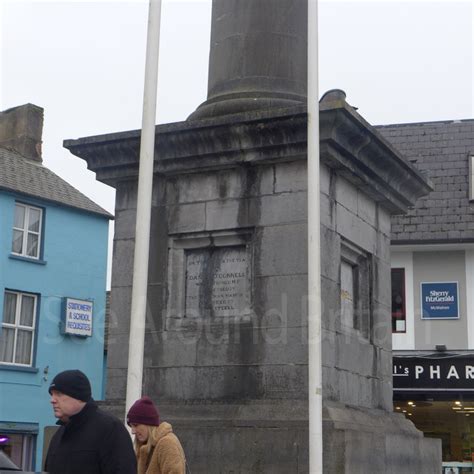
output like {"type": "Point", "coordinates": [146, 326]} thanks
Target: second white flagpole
{"type": "Point", "coordinates": [315, 395]}
{"type": "Point", "coordinates": [142, 228]}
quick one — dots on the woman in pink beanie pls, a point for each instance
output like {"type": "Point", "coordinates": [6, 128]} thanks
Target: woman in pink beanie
{"type": "Point", "coordinates": [157, 448]}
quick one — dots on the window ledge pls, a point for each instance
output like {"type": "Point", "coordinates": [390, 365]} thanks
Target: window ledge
{"type": "Point", "coordinates": [19, 368]}
{"type": "Point", "coordinates": [28, 259]}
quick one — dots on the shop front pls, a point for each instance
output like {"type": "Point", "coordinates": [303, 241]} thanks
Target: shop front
{"type": "Point", "coordinates": [436, 392]}
{"type": "Point", "coordinates": [18, 442]}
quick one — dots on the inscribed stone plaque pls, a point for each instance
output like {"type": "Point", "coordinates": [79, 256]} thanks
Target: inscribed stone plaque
{"type": "Point", "coordinates": [217, 282]}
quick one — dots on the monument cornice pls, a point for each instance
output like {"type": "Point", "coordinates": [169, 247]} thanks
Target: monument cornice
{"type": "Point", "coordinates": [201, 145]}
{"type": "Point", "coordinates": [364, 157]}
{"type": "Point", "coordinates": [348, 144]}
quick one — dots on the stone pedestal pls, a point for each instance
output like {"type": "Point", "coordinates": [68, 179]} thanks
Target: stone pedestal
{"type": "Point", "coordinates": [226, 339]}
{"type": "Point", "coordinates": [360, 441]}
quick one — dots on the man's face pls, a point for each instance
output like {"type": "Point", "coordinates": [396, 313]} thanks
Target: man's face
{"type": "Point", "coordinates": [65, 406]}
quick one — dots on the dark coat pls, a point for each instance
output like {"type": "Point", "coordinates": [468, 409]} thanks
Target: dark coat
{"type": "Point", "coordinates": [92, 442]}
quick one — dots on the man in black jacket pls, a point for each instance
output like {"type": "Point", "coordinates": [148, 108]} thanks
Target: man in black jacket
{"type": "Point", "coordinates": [89, 441]}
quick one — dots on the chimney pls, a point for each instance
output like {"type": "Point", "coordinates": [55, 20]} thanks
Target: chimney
{"type": "Point", "coordinates": [258, 56]}
{"type": "Point", "coordinates": [21, 129]}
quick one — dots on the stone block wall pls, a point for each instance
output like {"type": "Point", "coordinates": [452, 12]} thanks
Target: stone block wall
{"type": "Point", "coordinates": [356, 364]}
{"type": "Point", "coordinates": [264, 354]}
{"type": "Point", "coordinates": [261, 353]}
{"type": "Point", "coordinates": [229, 202]}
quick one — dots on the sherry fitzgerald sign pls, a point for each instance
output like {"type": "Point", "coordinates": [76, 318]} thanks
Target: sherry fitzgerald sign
{"type": "Point", "coordinates": [440, 300]}
{"type": "Point", "coordinates": [442, 373]}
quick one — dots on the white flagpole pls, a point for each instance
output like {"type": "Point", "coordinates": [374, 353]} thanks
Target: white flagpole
{"type": "Point", "coordinates": [314, 263]}
{"type": "Point", "coordinates": [142, 227]}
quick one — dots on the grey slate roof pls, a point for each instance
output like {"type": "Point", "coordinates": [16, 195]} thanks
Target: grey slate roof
{"type": "Point", "coordinates": [31, 178]}
{"type": "Point", "coordinates": [441, 150]}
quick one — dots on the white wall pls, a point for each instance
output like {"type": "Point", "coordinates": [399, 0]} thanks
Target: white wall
{"type": "Point", "coordinates": [470, 297]}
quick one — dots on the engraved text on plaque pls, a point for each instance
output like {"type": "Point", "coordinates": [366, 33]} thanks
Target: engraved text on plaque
{"type": "Point", "coordinates": [217, 282]}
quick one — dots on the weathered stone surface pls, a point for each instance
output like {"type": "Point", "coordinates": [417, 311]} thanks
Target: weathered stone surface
{"type": "Point", "coordinates": [227, 427]}
{"type": "Point", "coordinates": [327, 212]}
{"type": "Point", "coordinates": [118, 339]}
{"type": "Point", "coordinates": [227, 189]}
{"type": "Point", "coordinates": [227, 214]}
{"type": "Point", "coordinates": [283, 209]}
{"type": "Point", "coordinates": [157, 273]}
{"type": "Point", "coordinates": [228, 382]}
{"type": "Point", "coordinates": [123, 256]}
{"type": "Point", "coordinates": [383, 248]}
{"type": "Point", "coordinates": [381, 326]}
{"type": "Point", "coordinates": [346, 195]}
{"type": "Point", "coordinates": [291, 177]}
{"type": "Point", "coordinates": [155, 310]}
{"type": "Point", "coordinates": [281, 250]}
{"type": "Point", "coordinates": [330, 257]}
{"type": "Point", "coordinates": [116, 386]}
{"type": "Point", "coordinates": [21, 130]}
{"type": "Point", "coordinates": [244, 73]}
{"type": "Point", "coordinates": [372, 438]}
{"type": "Point", "coordinates": [366, 209]}
{"type": "Point", "coordinates": [384, 221]}
{"type": "Point", "coordinates": [354, 229]}
{"type": "Point", "coordinates": [281, 301]}
{"type": "Point", "coordinates": [125, 224]}
{"type": "Point", "coordinates": [355, 355]}
{"type": "Point", "coordinates": [225, 184]}
{"type": "Point", "coordinates": [187, 218]}
{"type": "Point", "coordinates": [126, 195]}
{"type": "Point", "coordinates": [120, 305]}
{"type": "Point", "coordinates": [382, 290]}
{"type": "Point", "coordinates": [324, 179]}
{"type": "Point", "coordinates": [117, 355]}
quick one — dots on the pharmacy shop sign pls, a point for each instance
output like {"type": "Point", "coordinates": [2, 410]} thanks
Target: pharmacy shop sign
{"type": "Point", "coordinates": [77, 317]}
{"type": "Point", "coordinates": [442, 373]}
{"type": "Point", "coordinates": [440, 300]}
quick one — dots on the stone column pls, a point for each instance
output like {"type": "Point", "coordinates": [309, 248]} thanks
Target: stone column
{"type": "Point", "coordinates": [258, 56]}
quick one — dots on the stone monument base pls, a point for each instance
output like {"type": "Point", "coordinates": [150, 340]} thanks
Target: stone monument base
{"type": "Point", "coordinates": [272, 437]}
{"type": "Point", "coordinates": [363, 441]}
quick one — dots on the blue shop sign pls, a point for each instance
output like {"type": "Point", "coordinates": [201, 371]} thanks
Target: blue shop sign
{"type": "Point", "coordinates": [440, 300]}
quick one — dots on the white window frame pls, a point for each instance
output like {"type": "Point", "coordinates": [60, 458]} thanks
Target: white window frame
{"type": "Point", "coordinates": [25, 231]}
{"type": "Point", "coordinates": [16, 326]}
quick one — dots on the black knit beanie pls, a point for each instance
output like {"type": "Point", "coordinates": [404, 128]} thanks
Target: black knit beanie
{"type": "Point", "coordinates": [73, 383]}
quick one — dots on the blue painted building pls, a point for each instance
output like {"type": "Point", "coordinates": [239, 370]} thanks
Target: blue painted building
{"type": "Point", "coordinates": [53, 246]}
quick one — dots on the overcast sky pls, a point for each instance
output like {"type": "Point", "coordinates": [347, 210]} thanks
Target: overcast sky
{"type": "Point", "coordinates": [83, 62]}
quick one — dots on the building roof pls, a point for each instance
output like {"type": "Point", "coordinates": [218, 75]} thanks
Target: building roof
{"type": "Point", "coordinates": [441, 150]}
{"type": "Point", "coordinates": [31, 178]}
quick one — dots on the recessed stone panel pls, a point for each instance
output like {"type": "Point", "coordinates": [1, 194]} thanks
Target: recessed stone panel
{"type": "Point", "coordinates": [217, 282]}
{"type": "Point", "coordinates": [210, 278]}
